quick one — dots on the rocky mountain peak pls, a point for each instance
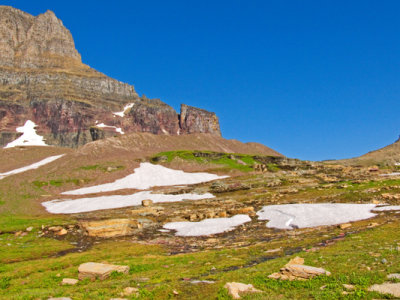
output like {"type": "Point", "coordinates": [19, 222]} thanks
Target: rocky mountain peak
{"type": "Point", "coordinates": [34, 42]}
{"type": "Point", "coordinates": [42, 79]}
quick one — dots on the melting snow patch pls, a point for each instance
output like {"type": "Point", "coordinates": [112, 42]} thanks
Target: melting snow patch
{"type": "Point", "coordinates": [289, 216]}
{"type": "Point", "coordinates": [116, 201]}
{"type": "Point", "coordinates": [146, 176]}
{"type": "Point", "coordinates": [207, 226]}
{"type": "Point", "coordinates": [117, 129]}
{"type": "Point", "coordinates": [29, 136]}
{"type": "Point", "coordinates": [387, 208]}
{"type": "Point", "coordinates": [122, 113]}
{"type": "Point", "coordinates": [32, 166]}
{"type": "Point", "coordinates": [390, 174]}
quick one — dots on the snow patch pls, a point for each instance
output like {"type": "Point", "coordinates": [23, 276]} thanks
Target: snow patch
{"type": "Point", "coordinates": [117, 129]}
{"type": "Point", "coordinates": [387, 208]}
{"type": "Point", "coordinates": [69, 206]}
{"type": "Point", "coordinates": [126, 108]}
{"type": "Point", "coordinates": [29, 136]}
{"type": "Point", "coordinates": [207, 226]}
{"type": "Point", "coordinates": [32, 166]}
{"type": "Point", "coordinates": [146, 176]}
{"type": "Point", "coordinates": [390, 174]}
{"type": "Point", "coordinates": [289, 216]}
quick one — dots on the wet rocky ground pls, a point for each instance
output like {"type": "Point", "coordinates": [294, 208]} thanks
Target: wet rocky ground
{"type": "Point", "coordinates": [243, 194]}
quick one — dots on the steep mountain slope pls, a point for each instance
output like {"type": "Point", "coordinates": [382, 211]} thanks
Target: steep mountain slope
{"type": "Point", "coordinates": [43, 79]}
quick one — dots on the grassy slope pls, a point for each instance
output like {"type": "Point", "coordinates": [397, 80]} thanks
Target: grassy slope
{"type": "Point", "coordinates": [348, 261]}
{"type": "Point", "coordinates": [29, 265]}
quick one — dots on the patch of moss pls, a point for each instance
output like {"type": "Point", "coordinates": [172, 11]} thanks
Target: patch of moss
{"type": "Point", "coordinates": [105, 168]}
{"type": "Point", "coordinates": [241, 162]}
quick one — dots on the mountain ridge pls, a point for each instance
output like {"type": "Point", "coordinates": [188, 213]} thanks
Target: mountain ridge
{"type": "Point", "coordinates": [43, 79]}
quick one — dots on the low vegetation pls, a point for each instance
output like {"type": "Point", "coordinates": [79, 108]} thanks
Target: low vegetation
{"type": "Point", "coordinates": [33, 262]}
{"type": "Point", "coordinates": [241, 162]}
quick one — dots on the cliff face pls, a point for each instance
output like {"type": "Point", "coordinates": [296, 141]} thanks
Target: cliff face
{"type": "Point", "coordinates": [196, 120]}
{"type": "Point", "coordinates": [33, 42]}
{"type": "Point", "coordinates": [43, 79]}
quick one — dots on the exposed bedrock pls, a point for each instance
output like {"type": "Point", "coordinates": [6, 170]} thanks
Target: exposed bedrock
{"type": "Point", "coordinates": [43, 79]}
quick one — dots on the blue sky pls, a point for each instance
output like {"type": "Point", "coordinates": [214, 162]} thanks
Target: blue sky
{"type": "Point", "coordinates": [312, 79]}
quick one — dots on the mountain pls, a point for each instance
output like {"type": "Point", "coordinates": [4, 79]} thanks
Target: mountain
{"type": "Point", "coordinates": [389, 155]}
{"type": "Point", "coordinates": [43, 79]}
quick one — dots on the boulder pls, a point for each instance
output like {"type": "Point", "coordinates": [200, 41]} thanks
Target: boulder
{"type": "Point", "coordinates": [147, 202]}
{"type": "Point", "coordinates": [110, 228]}
{"type": "Point", "coordinates": [98, 270]}
{"type": "Point", "coordinates": [386, 288]}
{"type": "Point", "coordinates": [237, 288]}
{"type": "Point", "coordinates": [295, 270]}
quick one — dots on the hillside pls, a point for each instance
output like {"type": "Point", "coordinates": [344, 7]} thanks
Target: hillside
{"type": "Point", "coordinates": [386, 156]}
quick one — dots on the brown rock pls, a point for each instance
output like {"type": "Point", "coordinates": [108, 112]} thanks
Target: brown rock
{"type": "Point", "coordinates": [62, 232]}
{"type": "Point", "coordinates": [99, 271]}
{"type": "Point", "coordinates": [235, 289]}
{"type": "Point", "coordinates": [244, 210]}
{"type": "Point", "coordinates": [55, 228]}
{"type": "Point", "coordinates": [145, 211]}
{"type": "Point", "coordinates": [147, 202]}
{"type": "Point", "coordinates": [302, 271]}
{"type": "Point", "coordinates": [386, 288]}
{"type": "Point", "coordinates": [296, 261]}
{"type": "Point", "coordinates": [69, 281]}
{"type": "Point", "coordinates": [345, 226]}
{"type": "Point", "coordinates": [128, 291]}
{"type": "Point", "coordinates": [111, 227]}
{"type": "Point", "coordinates": [349, 287]}
{"type": "Point", "coordinates": [222, 214]}
{"type": "Point", "coordinates": [295, 270]}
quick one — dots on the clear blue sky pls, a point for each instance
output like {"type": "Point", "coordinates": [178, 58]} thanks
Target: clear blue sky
{"type": "Point", "coordinates": [311, 79]}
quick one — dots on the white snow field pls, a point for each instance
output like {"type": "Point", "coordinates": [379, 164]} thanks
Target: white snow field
{"type": "Point", "coordinates": [289, 216]}
{"type": "Point", "coordinates": [122, 113]}
{"type": "Point", "coordinates": [32, 166]}
{"type": "Point", "coordinates": [207, 226]}
{"type": "Point", "coordinates": [146, 176]}
{"type": "Point", "coordinates": [69, 206]}
{"type": "Point", "coordinates": [117, 129]}
{"type": "Point", "coordinates": [29, 136]}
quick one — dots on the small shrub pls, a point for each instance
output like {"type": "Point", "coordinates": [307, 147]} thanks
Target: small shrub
{"type": "Point", "coordinates": [4, 282]}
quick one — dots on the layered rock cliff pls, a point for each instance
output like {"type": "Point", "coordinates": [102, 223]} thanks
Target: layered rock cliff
{"type": "Point", "coordinates": [43, 79]}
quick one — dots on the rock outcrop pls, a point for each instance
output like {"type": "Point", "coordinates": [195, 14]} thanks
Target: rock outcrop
{"type": "Point", "coordinates": [100, 271]}
{"type": "Point", "coordinates": [196, 120]}
{"type": "Point", "coordinates": [34, 42]}
{"type": "Point", "coordinates": [43, 79]}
